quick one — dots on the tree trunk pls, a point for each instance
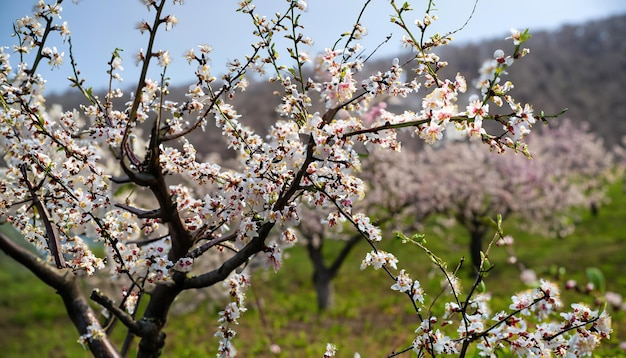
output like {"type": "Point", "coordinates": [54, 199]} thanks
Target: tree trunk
{"type": "Point", "coordinates": [155, 316]}
{"type": "Point", "coordinates": [476, 246]}
{"type": "Point", "coordinates": [324, 288]}
{"type": "Point", "coordinates": [83, 316]}
{"type": "Point", "coordinates": [323, 275]}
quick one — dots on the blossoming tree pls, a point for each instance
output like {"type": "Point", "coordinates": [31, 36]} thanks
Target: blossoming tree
{"type": "Point", "coordinates": [464, 181]}
{"type": "Point", "coordinates": [395, 200]}
{"type": "Point", "coordinates": [57, 186]}
{"type": "Point", "coordinates": [543, 194]}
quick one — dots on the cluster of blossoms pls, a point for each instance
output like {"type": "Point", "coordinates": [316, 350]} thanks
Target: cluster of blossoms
{"type": "Point", "coordinates": [576, 333]}
{"type": "Point", "coordinates": [94, 331]}
{"type": "Point", "coordinates": [379, 259]}
{"type": "Point", "coordinates": [331, 350]}
{"type": "Point", "coordinates": [237, 285]}
{"type": "Point", "coordinates": [62, 171]}
{"type": "Point", "coordinates": [412, 287]}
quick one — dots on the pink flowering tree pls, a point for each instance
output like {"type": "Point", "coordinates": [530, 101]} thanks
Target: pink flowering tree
{"type": "Point", "coordinates": [570, 170]}
{"type": "Point", "coordinates": [60, 175]}
{"type": "Point", "coordinates": [393, 194]}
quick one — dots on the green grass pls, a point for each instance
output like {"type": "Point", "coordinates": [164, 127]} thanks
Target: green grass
{"type": "Point", "coordinates": [367, 316]}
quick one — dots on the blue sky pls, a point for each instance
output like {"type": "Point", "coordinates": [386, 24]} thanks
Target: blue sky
{"type": "Point", "coordinates": [100, 26]}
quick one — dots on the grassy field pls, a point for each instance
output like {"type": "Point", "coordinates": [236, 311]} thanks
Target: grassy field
{"type": "Point", "coordinates": [367, 316]}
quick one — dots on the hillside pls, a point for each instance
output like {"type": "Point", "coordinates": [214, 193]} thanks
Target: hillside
{"type": "Point", "coordinates": [577, 67]}
{"type": "Point", "coordinates": [581, 68]}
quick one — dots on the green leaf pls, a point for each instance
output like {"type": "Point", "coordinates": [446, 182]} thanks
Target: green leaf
{"type": "Point", "coordinates": [401, 236]}
{"type": "Point", "coordinates": [494, 224]}
{"type": "Point", "coordinates": [596, 277]}
{"type": "Point", "coordinates": [419, 238]}
{"type": "Point", "coordinates": [124, 188]}
{"type": "Point", "coordinates": [486, 263]}
{"type": "Point", "coordinates": [116, 52]}
{"type": "Point", "coordinates": [525, 36]}
{"type": "Point", "coordinates": [486, 220]}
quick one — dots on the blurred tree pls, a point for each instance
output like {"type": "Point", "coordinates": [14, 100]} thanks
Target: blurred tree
{"type": "Point", "coordinates": [570, 170]}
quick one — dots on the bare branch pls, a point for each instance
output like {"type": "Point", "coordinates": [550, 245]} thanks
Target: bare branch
{"type": "Point", "coordinates": [99, 297]}
{"type": "Point", "coordinates": [34, 263]}
{"type": "Point", "coordinates": [197, 252]}
{"type": "Point", "coordinates": [140, 213]}
{"type": "Point", "coordinates": [256, 245]}
{"type": "Point", "coordinates": [66, 285]}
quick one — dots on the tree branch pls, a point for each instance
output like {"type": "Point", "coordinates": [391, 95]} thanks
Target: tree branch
{"type": "Point", "coordinates": [46, 273]}
{"type": "Point", "coordinates": [52, 233]}
{"type": "Point", "coordinates": [124, 317]}
{"type": "Point", "coordinates": [67, 286]}
{"type": "Point", "coordinates": [256, 245]}
{"type": "Point", "coordinates": [198, 251]}
{"type": "Point", "coordinates": [140, 213]}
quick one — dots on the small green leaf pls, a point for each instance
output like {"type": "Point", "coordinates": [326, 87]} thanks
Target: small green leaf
{"type": "Point", "coordinates": [401, 236]}
{"type": "Point", "coordinates": [124, 188]}
{"type": "Point", "coordinates": [596, 277]}
{"type": "Point", "coordinates": [525, 36]}
{"type": "Point", "coordinates": [419, 238]}
{"type": "Point", "coordinates": [486, 263]}
{"type": "Point", "coordinates": [489, 222]}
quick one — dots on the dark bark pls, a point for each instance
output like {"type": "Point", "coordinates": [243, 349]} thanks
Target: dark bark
{"type": "Point", "coordinates": [475, 247]}
{"type": "Point", "coordinates": [323, 275]}
{"type": "Point", "coordinates": [67, 286]}
{"type": "Point", "coordinates": [477, 234]}
{"type": "Point", "coordinates": [218, 275]}
{"type": "Point", "coordinates": [324, 288]}
{"type": "Point", "coordinates": [161, 299]}
{"type": "Point", "coordinates": [82, 316]}
{"type": "Point", "coordinates": [477, 230]}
